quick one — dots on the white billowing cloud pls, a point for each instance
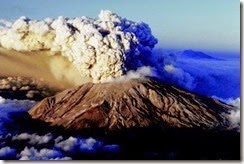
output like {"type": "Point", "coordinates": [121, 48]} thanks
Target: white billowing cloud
{"type": "Point", "coordinates": [234, 115]}
{"type": "Point", "coordinates": [43, 154]}
{"type": "Point", "coordinates": [68, 145]}
{"type": "Point", "coordinates": [75, 145]}
{"type": "Point", "coordinates": [102, 48]}
{"type": "Point", "coordinates": [7, 153]}
{"type": "Point", "coordinates": [235, 102]}
{"type": "Point", "coordinates": [58, 139]}
{"type": "Point", "coordinates": [33, 139]}
{"type": "Point", "coordinates": [2, 100]}
{"type": "Point", "coordinates": [90, 145]}
{"type": "Point", "coordinates": [16, 103]}
{"type": "Point", "coordinates": [141, 72]}
{"type": "Point", "coordinates": [169, 68]}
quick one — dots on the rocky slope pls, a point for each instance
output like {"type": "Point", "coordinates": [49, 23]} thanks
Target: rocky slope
{"type": "Point", "coordinates": [131, 104]}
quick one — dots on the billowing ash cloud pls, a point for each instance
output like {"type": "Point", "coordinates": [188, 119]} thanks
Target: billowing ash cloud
{"type": "Point", "coordinates": [141, 72]}
{"type": "Point", "coordinates": [5, 23]}
{"type": "Point", "coordinates": [102, 48]}
{"type": "Point", "coordinates": [114, 48]}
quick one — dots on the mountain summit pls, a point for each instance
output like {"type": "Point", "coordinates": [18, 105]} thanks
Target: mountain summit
{"type": "Point", "coordinates": [128, 104]}
{"type": "Point", "coordinates": [195, 54]}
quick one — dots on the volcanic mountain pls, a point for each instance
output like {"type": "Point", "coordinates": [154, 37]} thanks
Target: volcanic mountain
{"type": "Point", "coordinates": [129, 104]}
{"type": "Point", "coordinates": [195, 54]}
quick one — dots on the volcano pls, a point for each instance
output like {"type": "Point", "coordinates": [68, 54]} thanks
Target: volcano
{"type": "Point", "coordinates": [195, 54]}
{"type": "Point", "coordinates": [133, 103]}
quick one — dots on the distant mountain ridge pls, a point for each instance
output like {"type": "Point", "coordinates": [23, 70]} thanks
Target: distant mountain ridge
{"type": "Point", "coordinates": [194, 55]}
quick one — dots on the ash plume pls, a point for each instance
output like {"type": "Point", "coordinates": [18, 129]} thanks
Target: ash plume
{"type": "Point", "coordinates": [102, 48]}
{"type": "Point", "coordinates": [112, 48]}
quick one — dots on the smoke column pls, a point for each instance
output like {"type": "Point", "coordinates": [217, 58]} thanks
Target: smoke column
{"type": "Point", "coordinates": [103, 48]}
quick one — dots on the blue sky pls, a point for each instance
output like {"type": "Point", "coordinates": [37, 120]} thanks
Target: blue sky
{"type": "Point", "coordinates": [210, 25]}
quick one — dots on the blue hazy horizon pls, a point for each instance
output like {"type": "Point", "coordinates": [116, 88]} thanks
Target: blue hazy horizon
{"type": "Point", "coordinates": [211, 26]}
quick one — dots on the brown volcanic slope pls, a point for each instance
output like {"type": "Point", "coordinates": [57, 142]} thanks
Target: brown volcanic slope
{"type": "Point", "coordinates": [128, 104]}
